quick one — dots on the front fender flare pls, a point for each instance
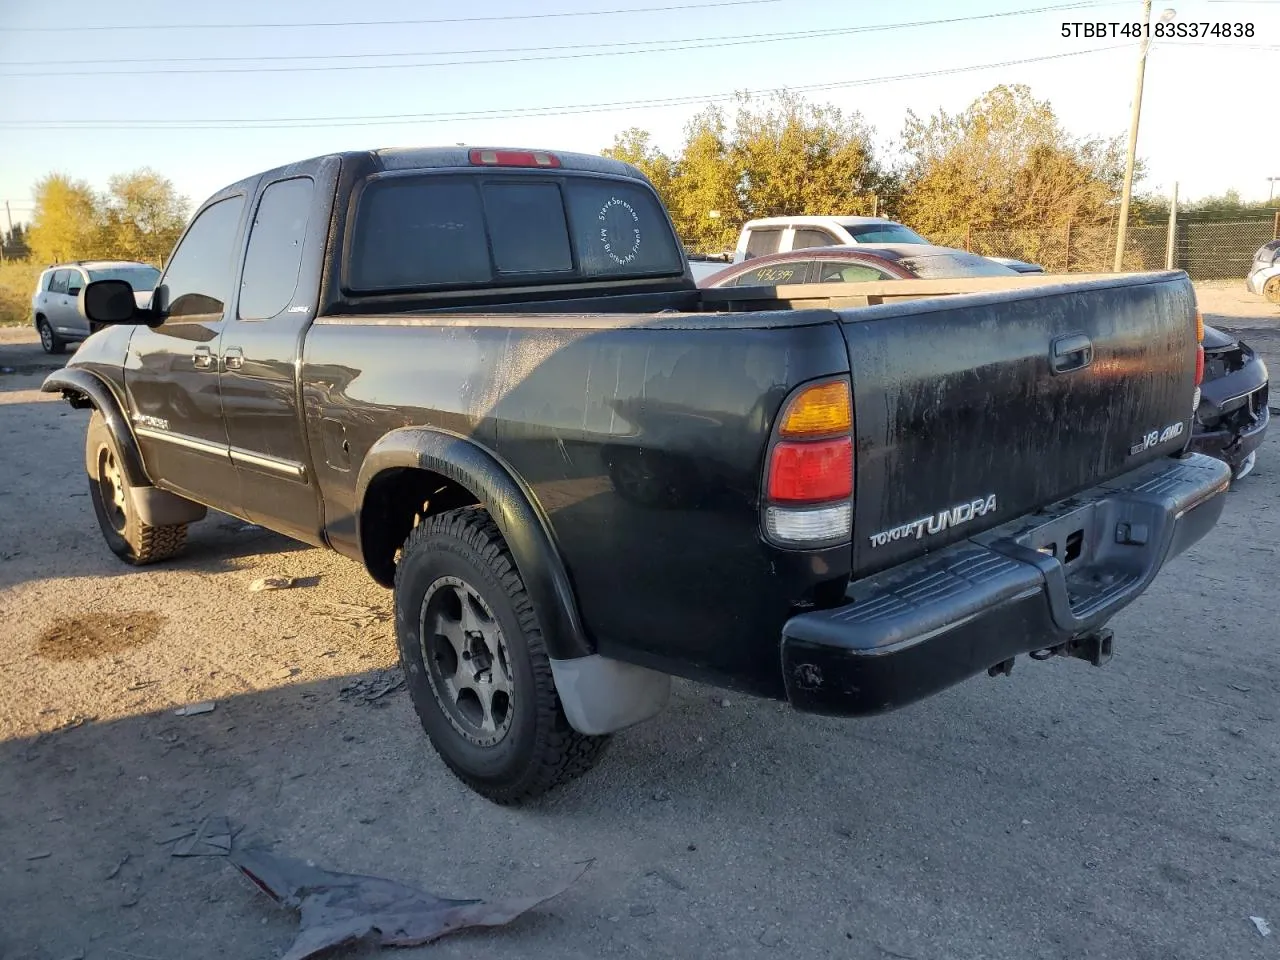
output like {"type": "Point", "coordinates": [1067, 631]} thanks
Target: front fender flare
{"type": "Point", "coordinates": [510, 503]}
{"type": "Point", "coordinates": [81, 383]}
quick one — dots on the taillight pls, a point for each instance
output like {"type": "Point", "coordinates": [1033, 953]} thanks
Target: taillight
{"type": "Point", "coordinates": [819, 410]}
{"type": "Point", "coordinates": [809, 479]}
{"type": "Point", "coordinates": [513, 158]}
{"type": "Point", "coordinates": [808, 472]}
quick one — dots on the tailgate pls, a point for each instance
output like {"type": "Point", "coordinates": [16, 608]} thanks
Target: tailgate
{"type": "Point", "coordinates": [972, 410]}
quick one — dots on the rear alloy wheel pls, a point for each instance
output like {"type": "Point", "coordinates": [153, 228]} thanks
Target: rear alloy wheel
{"type": "Point", "coordinates": [49, 340]}
{"type": "Point", "coordinates": [467, 662]}
{"type": "Point", "coordinates": [476, 664]}
{"type": "Point", "coordinates": [1271, 289]}
{"type": "Point", "coordinates": [130, 538]}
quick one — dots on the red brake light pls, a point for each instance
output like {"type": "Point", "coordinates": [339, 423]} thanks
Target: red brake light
{"type": "Point", "coordinates": [811, 471]}
{"type": "Point", "coordinates": [1199, 364]}
{"type": "Point", "coordinates": [513, 158]}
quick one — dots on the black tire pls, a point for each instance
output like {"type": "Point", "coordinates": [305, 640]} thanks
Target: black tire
{"type": "Point", "coordinates": [537, 749]}
{"type": "Point", "coordinates": [49, 339]}
{"type": "Point", "coordinates": [129, 538]}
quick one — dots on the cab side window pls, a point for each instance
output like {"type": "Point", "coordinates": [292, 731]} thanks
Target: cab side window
{"type": "Point", "coordinates": [762, 242]}
{"type": "Point", "coordinates": [806, 238]}
{"type": "Point", "coordinates": [274, 256]}
{"type": "Point", "coordinates": [75, 282]}
{"type": "Point", "coordinates": [198, 279]}
{"type": "Point", "coordinates": [58, 282]}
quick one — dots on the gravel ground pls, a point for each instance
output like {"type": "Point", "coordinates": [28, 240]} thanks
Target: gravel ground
{"type": "Point", "coordinates": [1064, 812]}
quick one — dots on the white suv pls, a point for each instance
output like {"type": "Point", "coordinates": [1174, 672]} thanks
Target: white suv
{"type": "Point", "coordinates": [53, 307]}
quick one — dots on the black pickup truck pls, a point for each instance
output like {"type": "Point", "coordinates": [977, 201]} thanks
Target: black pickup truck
{"type": "Point", "coordinates": [488, 376]}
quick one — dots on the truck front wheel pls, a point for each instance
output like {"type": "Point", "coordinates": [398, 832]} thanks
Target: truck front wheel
{"type": "Point", "coordinates": [476, 664]}
{"type": "Point", "coordinates": [130, 538]}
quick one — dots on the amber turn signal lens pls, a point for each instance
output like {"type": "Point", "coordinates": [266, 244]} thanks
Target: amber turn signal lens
{"type": "Point", "coordinates": [1199, 327]}
{"type": "Point", "coordinates": [823, 409]}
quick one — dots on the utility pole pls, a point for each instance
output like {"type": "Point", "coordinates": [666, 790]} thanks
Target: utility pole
{"type": "Point", "coordinates": [1271, 193]}
{"type": "Point", "coordinates": [1170, 247]}
{"type": "Point", "coordinates": [1136, 109]}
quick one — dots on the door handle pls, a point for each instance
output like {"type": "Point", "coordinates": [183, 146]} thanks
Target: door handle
{"type": "Point", "coordinates": [233, 358]}
{"type": "Point", "coordinates": [202, 358]}
{"type": "Point", "coordinates": [1072, 352]}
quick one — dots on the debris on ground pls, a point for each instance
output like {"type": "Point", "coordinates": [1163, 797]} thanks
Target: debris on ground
{"type": "Point", "coordinates": [357, 614]}
{"type": "Point", "coordinates": [342, 909]}
{"type": "Point", "coordinates": [668, 878]}
{"type": "Point", "coordinates": [212, 838]}
{"type": "Point", "coordinates": [373, 687]}
{"type": "Point", "coordinates": [41, 855]}
{"type": "Point", "coordinates": [284, 673]}
{"type": "Point", "coordinates": [271, 583]}
{"type": "Point", "coordinates": [193, 709]}
{"type": "Point", "coordinates": [240, 526]}
{"type": "Point", "coordinates": [115, 871]}
{"type": "Point", "coordinates": [1264, 928]}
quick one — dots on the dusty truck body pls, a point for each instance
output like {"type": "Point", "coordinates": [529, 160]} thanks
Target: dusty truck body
{"type": "Point", "coordinates": [489, 376]}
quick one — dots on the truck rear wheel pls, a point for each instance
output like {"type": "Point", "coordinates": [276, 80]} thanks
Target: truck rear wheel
{"type": "Point", "coordinates": [129, 537]}
{"type": "Point", "coordinates": [476, 664]}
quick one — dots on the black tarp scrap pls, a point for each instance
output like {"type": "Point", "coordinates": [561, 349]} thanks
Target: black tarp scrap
{"type": "Point", "coordinates": [342, 909]}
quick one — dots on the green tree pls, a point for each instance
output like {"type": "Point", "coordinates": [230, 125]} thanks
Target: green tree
{"type": "Point", "coordinates": [707, 197]}
{"type": "Point", "coordinates": [779, 155]}
{"type": "Point", "coordinates": [67, 220]}
{"type": "Point", "coordinates": [143, 217]}
{"type": "Point", "coordinates": [634, 146]}
{"type": "Point", "coordinates": [1006, 161]}
{"type": "Point", "coordinates": [797, 158]}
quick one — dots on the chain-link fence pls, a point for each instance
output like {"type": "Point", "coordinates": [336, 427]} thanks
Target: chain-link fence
{"type": "Point", "coordinates": [1208, 249]}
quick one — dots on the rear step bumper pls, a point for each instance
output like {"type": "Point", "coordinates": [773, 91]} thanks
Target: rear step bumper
{"type": "Point", "coordinates": [1032, 584]}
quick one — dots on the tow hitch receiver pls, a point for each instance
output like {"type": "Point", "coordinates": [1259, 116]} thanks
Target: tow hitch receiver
{"type": "Point", "coordinates": [1095, 647]}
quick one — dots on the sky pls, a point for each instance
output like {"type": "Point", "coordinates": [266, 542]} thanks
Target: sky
{"type": "Point", "coordinates": [90, 102]}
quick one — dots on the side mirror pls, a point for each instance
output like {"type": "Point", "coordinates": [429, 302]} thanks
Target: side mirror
{"type": "Point", "coordinates": [111, 301]}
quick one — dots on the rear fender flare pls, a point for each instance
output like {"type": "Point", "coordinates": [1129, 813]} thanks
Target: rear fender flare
{"type": "Point", "coordinates": [512, 506]}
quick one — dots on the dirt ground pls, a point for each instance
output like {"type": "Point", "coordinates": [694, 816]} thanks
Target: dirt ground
{"type": "Point", "coordinates": [1065, 812]}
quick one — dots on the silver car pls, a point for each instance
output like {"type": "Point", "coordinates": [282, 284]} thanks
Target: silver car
{"type": "Point", "coordinates": [1264, 272]}
{"type": "Point", "coordinates": [53, 307]}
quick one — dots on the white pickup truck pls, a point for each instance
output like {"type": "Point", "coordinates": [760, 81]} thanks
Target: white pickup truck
{"type": "Point", "coordinates": [782, 234]}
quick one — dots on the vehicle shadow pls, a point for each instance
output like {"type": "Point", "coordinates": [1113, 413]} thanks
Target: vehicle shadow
{"type": "Point", "coordinates": [921, 832]}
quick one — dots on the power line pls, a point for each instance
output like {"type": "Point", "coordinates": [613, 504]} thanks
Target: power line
{"type": "Point", "coordinates": [684, 7]}
{"type": "Point", "coordinates": [567, 46]}
{"type": "Point", "coordinates": [689, 44]}
{"type": "Point", "coordinates": [294, 123]}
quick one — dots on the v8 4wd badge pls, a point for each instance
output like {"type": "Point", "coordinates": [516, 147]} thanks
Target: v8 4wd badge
{"type": "Point", "coordinates": [1157, 437]}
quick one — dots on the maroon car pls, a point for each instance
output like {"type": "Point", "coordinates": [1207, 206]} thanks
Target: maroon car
{"type": "Point", "coordinates": [888, 261]}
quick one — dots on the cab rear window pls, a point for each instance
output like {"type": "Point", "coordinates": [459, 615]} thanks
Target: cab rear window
{"type": "Point", "coordinates": [461, 230]}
